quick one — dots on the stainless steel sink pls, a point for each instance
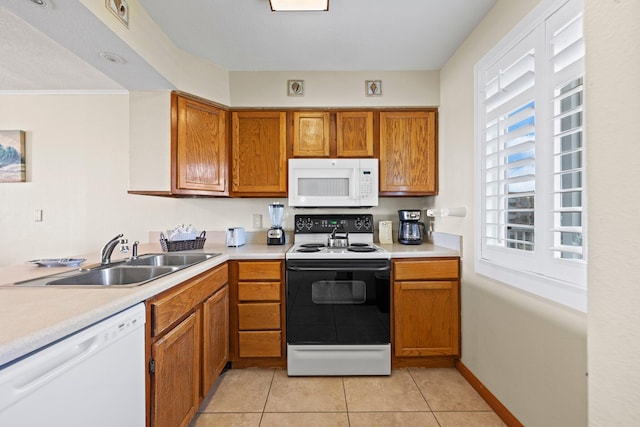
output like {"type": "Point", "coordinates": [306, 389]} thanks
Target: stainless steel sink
{"type": "Point", "coordinates": [128, 273]}
{"type": "Point", "coordinates": [170, 259]}
{"type": "Point", "coordinates": [114, 276]}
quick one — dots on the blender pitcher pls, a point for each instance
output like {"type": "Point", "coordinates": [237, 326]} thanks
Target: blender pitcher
{"type": "Point", "coordinates": [275, 235]}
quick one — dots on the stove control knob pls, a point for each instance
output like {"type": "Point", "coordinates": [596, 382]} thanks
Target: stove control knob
{"type": "Point", "coordinates": [358, 223]}
{"type": "Point", "coordinates": [367, 223]}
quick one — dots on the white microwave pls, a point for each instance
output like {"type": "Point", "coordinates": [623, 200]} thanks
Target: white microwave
{"type": "Point", "coordinates": [333, 183]}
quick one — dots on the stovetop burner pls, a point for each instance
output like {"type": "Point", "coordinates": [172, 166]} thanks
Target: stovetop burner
{"type": "Point", "coordinates": [361, 248]}
{"type": "Point", "coordinates": [308, 249]}
{"type": "Point", "coordinates": [312, 245]}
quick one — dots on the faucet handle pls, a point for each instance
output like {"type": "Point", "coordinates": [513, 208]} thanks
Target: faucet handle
{"type": "Point", "coordinates": [134, 254]}
{"type": "Point", "coordinates": [125, 246]}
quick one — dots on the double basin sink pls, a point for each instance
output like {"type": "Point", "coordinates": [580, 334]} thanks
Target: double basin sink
{"type": "Point", "coordinates": [127, 273]}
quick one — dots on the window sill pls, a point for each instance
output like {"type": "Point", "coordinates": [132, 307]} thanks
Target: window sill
{"type": "Point", "coordinates": [563, 293]}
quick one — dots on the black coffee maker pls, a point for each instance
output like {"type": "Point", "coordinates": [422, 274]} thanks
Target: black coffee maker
{"type": "Point", "coordinates": [411, 230]}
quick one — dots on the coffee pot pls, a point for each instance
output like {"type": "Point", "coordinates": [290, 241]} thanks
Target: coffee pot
{"type": "Point", "coordinates": [411, 231]}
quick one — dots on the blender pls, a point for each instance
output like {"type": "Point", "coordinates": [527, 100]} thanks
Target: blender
{"type": "Point", "coordinates": [275, 235]}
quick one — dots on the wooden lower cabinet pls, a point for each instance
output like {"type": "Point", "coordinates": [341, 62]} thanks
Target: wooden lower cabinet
{"type": "Point", "coordinates": [188, 342]}
{"type": "Point", "coordinates": [215, 337]}
{"type": "Point", "coordinates": [176, 380]}
{"type": "Point", "coordinates": [426, 311]}
{"type": "Point", "coordinates": [257, 313]}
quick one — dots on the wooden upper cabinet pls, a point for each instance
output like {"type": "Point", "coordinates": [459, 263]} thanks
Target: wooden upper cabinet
{"type": "Point", "coordinates": [408, 153]}
{"type": "Point", "coordinates": [311, 134]}
{"type": "Point", "coordinates": [198, 147]}
{"type": "Point", "coordinates": [258, 154]}
{"type": "Point", "coordinates": [354, 133]}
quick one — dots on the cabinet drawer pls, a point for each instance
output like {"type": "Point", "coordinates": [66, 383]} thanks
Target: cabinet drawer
{"type": "Point", "coordinates": [259, 270]}
{"type": "Point", "coordinates": [259, 291]}
{"type": "Point", "coordinates": [260, 344]}
{"type": "Point", "coordinates": [175, 304]}
{"type": "Point", "coordinates": [426, 270]}
{"type": "Point", "coordinates": [259, 316]}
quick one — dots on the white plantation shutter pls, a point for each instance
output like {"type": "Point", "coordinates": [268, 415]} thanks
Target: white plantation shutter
{"type": "Point", "coordinates": [530, 156]}
{"type": "Point", "coordinates": [509, 150]}
{"type": "Point", "coordinates": [564, 33]}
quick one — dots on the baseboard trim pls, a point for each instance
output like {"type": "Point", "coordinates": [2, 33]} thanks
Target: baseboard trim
{"type": "Point", "coordinates": [501, 411]}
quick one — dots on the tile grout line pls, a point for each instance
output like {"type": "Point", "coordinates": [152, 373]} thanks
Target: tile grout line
{"type": "Point", "coordinates": [346, 402]}
{"type": "Point", "coordinates": [419, 390]}
{"type": "Point", "coordinates": [264, 407]}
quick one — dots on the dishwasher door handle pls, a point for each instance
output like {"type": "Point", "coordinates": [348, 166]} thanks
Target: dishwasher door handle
{"type": "Point", "coordinates": [30, 377]}
{"type": "Point", "coordinates": [56, 365]}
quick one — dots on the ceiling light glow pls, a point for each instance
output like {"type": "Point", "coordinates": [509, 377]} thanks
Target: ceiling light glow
{"type": "Point", "coordinates": [299, 5]}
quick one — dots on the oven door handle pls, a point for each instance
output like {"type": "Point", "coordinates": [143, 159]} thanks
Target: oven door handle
{"type": "Point", "coordinates": [295, 268]}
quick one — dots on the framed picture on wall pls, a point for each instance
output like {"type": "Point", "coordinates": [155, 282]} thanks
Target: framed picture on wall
{"type": "Point", "coordinates": [373, 87]}
{"type": "Point", "coordinates": [13, 165]}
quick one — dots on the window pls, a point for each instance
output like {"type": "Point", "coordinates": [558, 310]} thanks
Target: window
{"type": "Point", "coordinates": [530, 141]}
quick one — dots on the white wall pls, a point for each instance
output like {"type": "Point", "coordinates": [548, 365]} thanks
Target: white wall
{"type": "Point", "coordinates": [529, 352]}
{"type": "Point", "coordinates": [334, 89]}
{"type": "Point", "coordinates": [613, 86]}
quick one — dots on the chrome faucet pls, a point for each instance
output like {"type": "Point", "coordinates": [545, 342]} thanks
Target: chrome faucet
{"type": "Point", "coordinates": [107, 250]}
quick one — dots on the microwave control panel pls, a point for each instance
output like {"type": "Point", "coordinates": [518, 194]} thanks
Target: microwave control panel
{"type": "Point", "coordinates": [366, 185]}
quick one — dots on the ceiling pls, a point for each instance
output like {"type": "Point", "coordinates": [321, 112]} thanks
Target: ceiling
{"type": "Point", "coordinates": [54, 48]}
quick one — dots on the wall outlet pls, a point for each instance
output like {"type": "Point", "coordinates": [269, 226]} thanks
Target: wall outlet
{"type": "Point", "coordinates": [37, 215]}
{"type": "Point", "coordinates": [256, 221]}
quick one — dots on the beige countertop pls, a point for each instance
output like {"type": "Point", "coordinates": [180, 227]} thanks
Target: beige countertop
{"type": "Point", "coordinates": [33, 317]}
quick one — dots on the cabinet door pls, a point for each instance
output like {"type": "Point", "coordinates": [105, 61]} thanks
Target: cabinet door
{"type": "Point", "coordinates": [408, 153]}
{"type": "Point", "coordinates": [311, 134]}
{"type": "Point", "coordinates": [354, 134]}
{"type": "Point", "coordinates": [426, 318]}
{"type": "Point", "coordinates": [215, 331]}
{"type": "Point", "coordinates": [199, 148]}
{"type": "Point", "coordinates": [175, 385]}
{"type": "Point", "coordinates": [258, 151]}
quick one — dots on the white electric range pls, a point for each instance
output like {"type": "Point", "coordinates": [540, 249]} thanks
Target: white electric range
{"type": "Point", "coordinates": [338, 298]}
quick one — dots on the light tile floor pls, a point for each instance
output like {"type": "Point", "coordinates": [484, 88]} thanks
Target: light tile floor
{"type": "Point", "coordinates": [409, 397]}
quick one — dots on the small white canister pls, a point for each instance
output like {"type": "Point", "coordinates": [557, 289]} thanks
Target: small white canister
{"type": "Point", "coordinates": [385, 235]}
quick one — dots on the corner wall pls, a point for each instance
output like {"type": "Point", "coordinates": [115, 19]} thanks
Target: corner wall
{"type": "Point", "coordinates": [529, 352]}
{"type": "Point", "coordinates": [613, 150]}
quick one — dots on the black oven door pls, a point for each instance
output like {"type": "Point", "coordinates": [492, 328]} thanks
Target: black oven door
{"type": "Point", "coordinates": [338, 301]}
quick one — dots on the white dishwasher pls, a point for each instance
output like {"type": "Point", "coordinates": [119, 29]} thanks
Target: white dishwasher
{"type": "Point", "coordinates": [95, 377]}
